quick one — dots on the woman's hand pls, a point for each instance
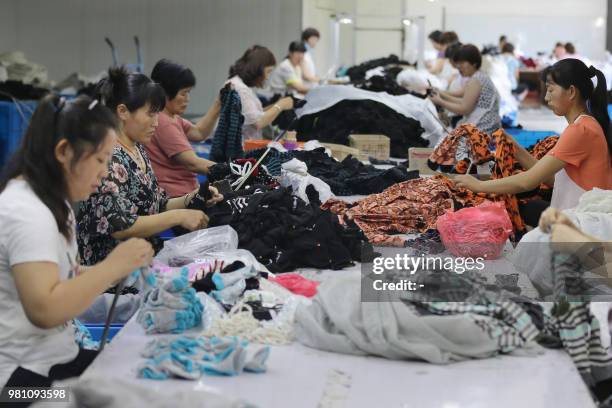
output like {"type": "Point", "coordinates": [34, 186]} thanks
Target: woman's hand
{"type": "Point", "coordinates": [285, 103]}
{"type": "Point", "coordinates": [566, 239]}
{"type": "Point", "coordinates": [553, 216]}
{"type": "Point", "coordinates": [434, 96]}
{"type": "Point", "coordinates": [468, 182]}
{"type": "Point", "coordinates": [192, 219]}
{"type": "Point", "coordinates": [216, 197]}
{"type": "Point", "coordinates": [129, 256]}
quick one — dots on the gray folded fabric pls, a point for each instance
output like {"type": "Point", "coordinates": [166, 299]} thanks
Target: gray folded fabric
{"type": "Point", "coordinates": [339, 321]}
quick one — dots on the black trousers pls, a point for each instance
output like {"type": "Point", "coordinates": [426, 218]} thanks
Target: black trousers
{"type": "Point", "coordinates": [26, 378]}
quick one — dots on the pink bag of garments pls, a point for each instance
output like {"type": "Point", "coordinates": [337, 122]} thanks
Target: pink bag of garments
{"type": "Point", "coordinates": [476, 232]}
{"type": "Point", "coordinates": [296, 284]}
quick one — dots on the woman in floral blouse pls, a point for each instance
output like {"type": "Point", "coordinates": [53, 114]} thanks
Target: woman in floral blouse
{"type": "Point", "coordinates": [129, 202]}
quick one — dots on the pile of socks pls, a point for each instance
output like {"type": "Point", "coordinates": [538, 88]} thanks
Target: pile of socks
{"type": "Point", "coordinates": [191, 357]}
{"type": "Point", "coordinates": [170, 305]}
{"type": "Point", "coordinates": [227, 286]}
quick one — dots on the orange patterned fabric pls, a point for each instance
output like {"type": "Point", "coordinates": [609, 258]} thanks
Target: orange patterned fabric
{"type": "Point", "coordinates": [463, 145]}
{"type": "Point", "coordinates": [415, 205]}
{"type": "Point", "coordinates": [408, 207]}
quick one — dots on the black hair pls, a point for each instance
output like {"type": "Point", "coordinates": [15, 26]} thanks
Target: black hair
{"type": "Point", "coordinates": [435, 36]}
{"type": "Point", "coordinates": [448, 38]}
{"type": "Point", "coordinates": [172, 77]}
{"type": "Point", "coordinates": [508, 47]}
{"type": "Point", "coordinates": [559, 44]}
{"type": "Point", "coordinates": [84, 123]}
{"type": "Point", "coordinates": [297, 46]}
{"type": "Point", "coordinates": [451, 51]}
{"type": "Point", "coordinates": [250, 67]}
{"type": "Point", "coordinates": [134, 90]}
{"type": "Point", "coordinates": [572, 71]}
{"type": "Point", "coordinates": [503, 38]}
{"type": "Point", "coordinates": [310, 32]}
{"type": "Point", "coordinates": [469, 53]}
{"type": "Point", "coordinates": [569, 47]}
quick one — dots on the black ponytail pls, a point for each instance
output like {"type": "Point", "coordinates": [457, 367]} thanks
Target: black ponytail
{"type": "Point", "coordinates": [571, 71]}
{"type": "Point", "coordinates": [134, 90]}
{"type": "Point", "coordinates": [598, 105]}
{"type": "Point", "coordinates": [84, 123]}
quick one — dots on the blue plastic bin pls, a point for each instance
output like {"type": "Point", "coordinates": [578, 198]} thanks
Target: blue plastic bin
{"type": "Point", "coordinates": [13, 125]}
{"type": "Point", "coordinates": [97, 329]}
{"type": "Point", "coordinates": [528, 138]}
{"type": "Point", "coordinates": [167, 235]}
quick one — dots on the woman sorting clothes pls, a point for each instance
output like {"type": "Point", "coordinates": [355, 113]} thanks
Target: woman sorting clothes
{"type": "Point", "coordinates": [287, 77]}
{"type": "Point", "coordinates": [581, 159]}
{"type": "Point", "coordinates": [253, 70]}
{"type": "Point", "coordinates": [174, 162]}
{"type": "Point", "coordinates": [62, 159]}
{"type": "Point", "coordinates": [129, 202]}
{"type": "Point", "coordinates": [478, 102]}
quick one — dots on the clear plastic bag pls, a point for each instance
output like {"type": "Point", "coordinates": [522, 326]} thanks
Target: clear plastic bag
{"type": "Point", "coordinates": [197, 243]}
{"type": "Point", "coordinates": [476, 232]}
{"type": "Point", "coordinates": [207, 246]}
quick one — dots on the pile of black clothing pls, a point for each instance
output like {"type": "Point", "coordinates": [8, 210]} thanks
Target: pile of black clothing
{"type": "Point", "coordinates": [350, 176]}
{"type": "Point", "coordinates": [346, 177]}
{"type": "Point", "coordinates": [358, 72]}
{"type": "Point", "coordinates": [347, 117]}
{"type": "Point", "coordinates": [386, 83]}
{"type": "Point", "coordinates": [25, 92]}
{"type": "Point", "coordinates": [261, 175]}
{"type": "Point", "coordinates": [284, 233]}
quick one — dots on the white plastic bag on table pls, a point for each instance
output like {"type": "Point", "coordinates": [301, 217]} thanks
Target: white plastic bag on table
{"type": "Point", "coordinates": [217, 243]}
{"type": "Point", "coordinates": [199, 242]}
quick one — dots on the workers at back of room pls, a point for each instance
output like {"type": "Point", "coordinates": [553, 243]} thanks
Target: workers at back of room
{"type": "Point", "coordinates": [443, 68]}
{"type": "Point", "coordinates": [174, 161]}
{"type": "Point", "coordinates": [253, 70]}
{"type": "Point", "coordinates": [581, 159]}
{"type": "Point", "coordinates": [478, 102]}
{"type": "Point", "coordinates": [129, 202]}
{"type": "Point", "coordinates": [310, 38]}
{"type": "Point", "coordinates": [286, 79]}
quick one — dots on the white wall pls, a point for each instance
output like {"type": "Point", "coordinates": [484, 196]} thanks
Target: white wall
{"type": "Point", "coordinates": [206, 35]}
{"type": "Point", "coordinates": [534, 25]}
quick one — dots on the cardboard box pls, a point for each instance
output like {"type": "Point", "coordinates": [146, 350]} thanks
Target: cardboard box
{"type": "Point", "coordinates": [377, 146]}
{"type": "Point", "coordinates": [339, 152]}
{"type": "Point", "coordinates": [417, 160]}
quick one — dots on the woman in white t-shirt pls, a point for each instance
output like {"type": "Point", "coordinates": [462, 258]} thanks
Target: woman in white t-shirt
{"type": "Point", "coordinates": [287, 77]}
{"type": "Point", "coordinates": [253, 70]}
{"type": "Point", "coordinates": [62, 159]}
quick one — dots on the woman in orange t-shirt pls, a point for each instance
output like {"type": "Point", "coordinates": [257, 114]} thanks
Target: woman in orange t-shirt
{"type": "Point", "coordinates": [581, 160]}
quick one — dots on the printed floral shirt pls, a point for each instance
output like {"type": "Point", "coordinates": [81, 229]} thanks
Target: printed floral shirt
{"type": "Point", "coordinates": [122, 197]}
